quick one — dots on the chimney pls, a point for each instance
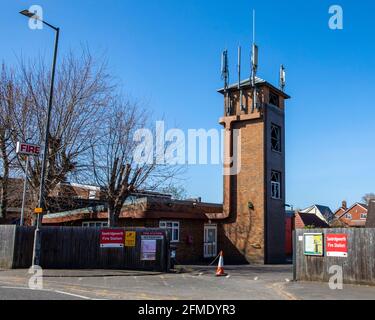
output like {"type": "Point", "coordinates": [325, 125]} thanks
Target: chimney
{"type": "Point", "coordinates": [344, 205]}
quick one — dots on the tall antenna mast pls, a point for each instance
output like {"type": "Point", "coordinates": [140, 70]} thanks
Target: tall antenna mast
{"type": "Point", "coordinates": [254, 67]}
{"type": "Point", "coordinates": [225, 77]}
{"type": "Point", "coordinates": [242, 108]}
{"type": "Point", "coordinates": [282, 78]}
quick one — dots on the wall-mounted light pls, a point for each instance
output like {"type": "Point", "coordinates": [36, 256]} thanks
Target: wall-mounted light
{"type": "Point", "coordinates": [250, 205]}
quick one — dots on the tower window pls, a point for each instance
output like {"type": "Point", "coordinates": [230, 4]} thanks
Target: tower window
{"type": "Point", "coordinates": [275, 138]}
{"type": "Point", "coordinates": [276, 185]}
{"type": "Point", "coordinates": [274, 99]}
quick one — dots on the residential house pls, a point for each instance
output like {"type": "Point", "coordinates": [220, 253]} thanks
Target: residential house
{"type": "Point", "coordinates": [354, 217]}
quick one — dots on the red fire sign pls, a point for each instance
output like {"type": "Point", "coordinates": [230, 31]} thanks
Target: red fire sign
{"type": "Point", "coordinates": [28, 149]}
{"type": "Point", "coordinates": [337, 245]}
{"type": "Point", "coordinates": [111, 238]}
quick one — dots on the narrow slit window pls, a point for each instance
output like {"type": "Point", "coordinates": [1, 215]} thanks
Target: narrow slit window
{"type": "Point", "coordinates": [276, 185]}
{"type": "Point", "coordinates": [275, 138]}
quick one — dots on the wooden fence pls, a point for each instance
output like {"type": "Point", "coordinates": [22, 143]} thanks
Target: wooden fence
{"type": "Point", "coordinates": [358, 267]}
{"type": "Point", "coordinates": [78, 248]}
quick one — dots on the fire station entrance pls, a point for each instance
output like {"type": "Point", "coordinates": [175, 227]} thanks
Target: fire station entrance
{"type": "Point", "coordinates": [210, 241]}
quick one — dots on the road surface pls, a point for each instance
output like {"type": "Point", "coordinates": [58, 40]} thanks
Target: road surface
{"type": "Point", "coordinates": [197, 283]}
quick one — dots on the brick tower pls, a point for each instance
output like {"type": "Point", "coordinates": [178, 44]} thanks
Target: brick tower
{"type": "Point", "coordinates": [254, 184]}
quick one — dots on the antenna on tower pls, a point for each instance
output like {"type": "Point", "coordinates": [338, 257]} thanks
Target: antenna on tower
{"type": "Point", "coordinates": [254, 67]}
{"type": "Point", "coordinates": [242, 107]}
{"type": "Point", "coordinates": [224, 68]}
{"type": "Point", "coordinates": [225, 77]}
{"type": "Point", "coordinates": [282, 78]}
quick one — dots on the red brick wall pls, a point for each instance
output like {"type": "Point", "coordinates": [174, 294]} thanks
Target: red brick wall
{"type": "Point", "coordinates": [298, 223]}
{"type": "Point", "coordinates": [356, 212]}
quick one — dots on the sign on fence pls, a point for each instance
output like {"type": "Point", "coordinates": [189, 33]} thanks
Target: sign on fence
{"type": "Point", "coordinates": [313, 244]}
{"type": "Point", "coordinates": [152, 235]}
{"type": "Point", "coordinates": [130, 238]}
{"type": "Point", "coordinates": [148, 250]}
{"type": "Point", "coordinates": [337, 245]}
{"type": "Point", "coordinates": [112, 238]}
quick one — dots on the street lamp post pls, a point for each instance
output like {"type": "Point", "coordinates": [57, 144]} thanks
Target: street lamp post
{"type": "Point", "coordinates": [42, 195]}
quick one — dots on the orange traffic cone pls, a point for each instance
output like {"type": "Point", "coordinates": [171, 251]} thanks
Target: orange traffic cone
{"type": "Point", "coordinates": [220, 267]}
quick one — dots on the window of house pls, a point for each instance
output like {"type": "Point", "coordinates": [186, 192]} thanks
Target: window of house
{"type": "Point", "coordinates": [94, 224]}
{"type": "Point", "coordinates": [274, 99]}
{"type": "Point", "coordinates": [275, 138]}
{"type": "Point", "coordinates": [349, 216]}
{"type": "Point", "coordinates": [276, 185]}
{"type": "Point", "coordinates": [173, 227]}
{"type": "Point", "coordinates": [364, 216]}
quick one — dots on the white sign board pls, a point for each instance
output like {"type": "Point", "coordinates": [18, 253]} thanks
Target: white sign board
{"type": "Point", "coordinates": [28, 149]}
{"type": "Point", "coordinates": [313, 244]}
{"type": "Point", "coordinates": [148, 250]}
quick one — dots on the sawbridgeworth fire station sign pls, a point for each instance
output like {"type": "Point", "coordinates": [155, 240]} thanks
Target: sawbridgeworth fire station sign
{"type": "Point", "coordinates": [337, 245]}
{"type": "Point", "coordinates": [112, 238]}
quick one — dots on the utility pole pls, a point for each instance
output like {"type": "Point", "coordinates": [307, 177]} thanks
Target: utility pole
{"type": "Point", "coordinates": [42, 193]}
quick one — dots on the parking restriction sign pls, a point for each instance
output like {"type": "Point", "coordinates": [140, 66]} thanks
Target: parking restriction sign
{"type": "Point", "coordinates": [130, 238]}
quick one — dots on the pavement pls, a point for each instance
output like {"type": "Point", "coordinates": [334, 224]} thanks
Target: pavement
{"type": "Point", "coordinates": [248, 282]}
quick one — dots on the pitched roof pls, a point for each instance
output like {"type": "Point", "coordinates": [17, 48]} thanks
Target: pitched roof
{"type": "Point", "coordinates": [312, 220]}
{"type": "Point", "coordinates": [364, 206]}
{"type": "Point", "coordinates": [325, 211]}
{"type": "Point", "coordinates": [339, 211]}
{"type": "Point", "coordinates": [147, 207]}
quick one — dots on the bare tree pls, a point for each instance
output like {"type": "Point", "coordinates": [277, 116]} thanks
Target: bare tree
{"type": "Point", "coordinates": [9, 93]}
{"type": "Point", "coordinates": [115, 165]}
{"type": "Point", "coordinates": [81, 96]}
{"type": "Point", "coordinates": [368, 197]}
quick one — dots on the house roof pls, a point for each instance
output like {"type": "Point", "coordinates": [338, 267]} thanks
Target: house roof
{"type": "Point", "coordinates": [141, 208]}
{"type": "Point", "coordinates": [325, 211]}
{"type": "Point", "coordinates": [312, 220]}
{"type": "Point", "coordinates": [364, 206]}
{"type": "Point", "coordinates": [339, 211]}
{"type": "Point", "coordinates": [258, 81]}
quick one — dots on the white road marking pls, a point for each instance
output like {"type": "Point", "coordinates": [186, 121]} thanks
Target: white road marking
{"type": "Point", "coordinates": [72, 294]}
{"type": "Point", "coordinates": [164, 281]}
{"type": "Point", "coordinates": [48, 290]}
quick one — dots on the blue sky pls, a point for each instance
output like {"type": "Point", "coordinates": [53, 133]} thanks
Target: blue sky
{"type": "Point", "coordinates": [166, 54]}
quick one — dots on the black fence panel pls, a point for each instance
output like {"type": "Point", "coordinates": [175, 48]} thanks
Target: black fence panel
{"type": "Point", "coordinates": [79, 248]}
